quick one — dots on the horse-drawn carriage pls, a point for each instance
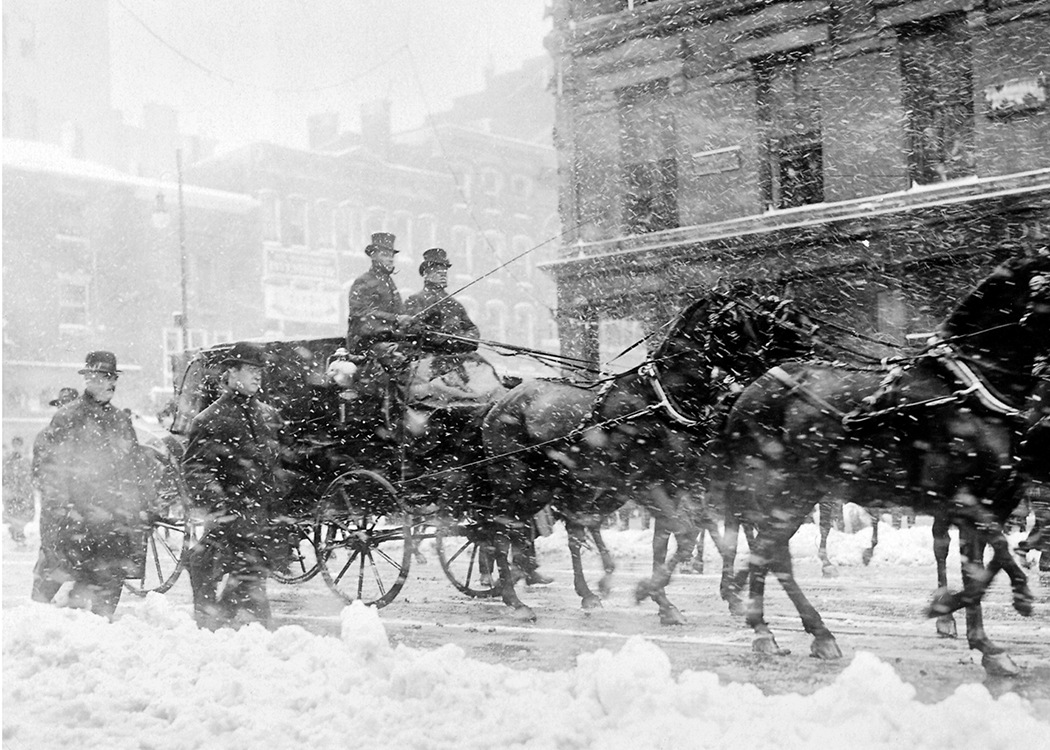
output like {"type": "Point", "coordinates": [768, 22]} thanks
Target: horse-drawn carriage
{"type": "Point", "coordinates": [374, 455]}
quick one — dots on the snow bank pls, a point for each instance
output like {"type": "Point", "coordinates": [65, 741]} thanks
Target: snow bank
{"type": "Point", "coordinates": [153, 680]}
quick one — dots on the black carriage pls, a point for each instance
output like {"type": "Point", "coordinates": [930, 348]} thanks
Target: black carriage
{"type": "Point", "coordinates": [381, 456]}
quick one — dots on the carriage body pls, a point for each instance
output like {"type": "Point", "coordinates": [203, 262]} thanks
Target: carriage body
{"type": "Point", "coordinates": [367, 477]}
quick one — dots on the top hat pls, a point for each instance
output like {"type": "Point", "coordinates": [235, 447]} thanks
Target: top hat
{"type": "Point", "coordinates": [104, 362]}
{"type": "Point", "coordinates": [380, 241]}
{"type": "Point", "coordinates": [244, 353]}
{"type": "Point", "coordinates": [435, 257]}
{"type": "Point", "coordinates": [65, 396]}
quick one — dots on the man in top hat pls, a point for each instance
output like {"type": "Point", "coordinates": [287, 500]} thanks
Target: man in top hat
{"type": "Point", "coordinates": [94, 493]}
{"type": "Point", "coordinates": [232, 470]}
{"type": "Point", "coordinates": [446, 327]}
{"type": "Point", "coordinates": [375, 311]}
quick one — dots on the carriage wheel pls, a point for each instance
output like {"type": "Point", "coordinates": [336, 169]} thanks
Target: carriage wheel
{"type": "Point", "coordinates": [302, 565]}
{"type": "Point", "coordinates": [465, 559]}
{"type": "Point", "coordinates": [363, 537]}
{"type": "Point", "coordinates": [172, 532]}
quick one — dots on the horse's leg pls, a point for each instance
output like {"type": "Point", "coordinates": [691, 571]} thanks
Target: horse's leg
{"type": "Point", "coordinates": [671, 516]}
{"type": "Point", "coordinates": [941, 541]}
{"type": "Point", "coordinates": [730, 585]}
{"type": "Point", "coordinates": [827, 515]}
{"type": "Point", "coordinates": [994, 659]}
{"type": "Point", "coordinates": [758, 566]}
{"type": "Point", "coordinates": [824, 645]}
{"type": "Point", "coordinates": [509, 578]}
{"type": "Point", "coordinates": [577, 533]}
{"type": "Point", "coordinates": [608, 565]}
{"type": "Point", "coordinates": [661, 535]}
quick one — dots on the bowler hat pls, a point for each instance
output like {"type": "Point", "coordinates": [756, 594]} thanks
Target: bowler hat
{"type": "Point", "coordinates": [380, 241]}
{"type": "Point", "coordinates": [65, 396]}
{"type": "Point", "coordinates": [104, 362]}
{"type": "Point", "coordinates": [435, 257]}
{"type": "Point", "coordinates": [244, 353]}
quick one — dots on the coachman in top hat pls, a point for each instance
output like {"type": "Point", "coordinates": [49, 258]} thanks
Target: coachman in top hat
{"type": "Point", "coordinates": [446, 326]}
{"type": "Point", "coordinates": [375, 309]}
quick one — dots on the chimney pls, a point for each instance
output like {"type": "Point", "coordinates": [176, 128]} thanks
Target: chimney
{"type": "Point", "coordinates": [375, 126]}
{"type": "Point", "coordinates": [321, 128]}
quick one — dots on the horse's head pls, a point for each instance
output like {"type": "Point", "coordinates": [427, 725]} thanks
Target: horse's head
{"type": "Point", "coordinates": [734, 338]}
{"type": "Point", "coordinates": [1003, 325]}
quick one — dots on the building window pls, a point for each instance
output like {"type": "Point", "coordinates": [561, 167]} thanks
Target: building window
{"type": "Point", "coordinates": [426, 231]}
{"type": "Point", "coordinates": [463, 247]}
{"type": "Point", "coordinates": [495, 324]}
{"type": "Point", "coordinates": [293, 232]}
{"type": "Point", "coordinates": [647, 148]}
{"type": "Point", "coordinates": [402, 229]}
{"type": "Point", "coordinates": [69, 217]}
{"type": "Point", "coordinates": [935, 59]}
{"type": "Point", "coordinates": [522, 250]}
{"type": "Point", "coordinates": [375, 221]}
{"type": "Point", "coordinates": [199, 338]}
{"type": "Point", "coordinates": [73, 301]}
{"type": "Point", "coordinates": [321, 235]}
{"type": "Point", "coordinates": [617, 339]}
{"type": "Point", "coordinates": [525, 324]}
{"type": "Point", "coordinates": [268, 212]}
{"type": "Point", "coordinates": [490, 181]}
{"type": "Point", "coordinates": [789, 119]}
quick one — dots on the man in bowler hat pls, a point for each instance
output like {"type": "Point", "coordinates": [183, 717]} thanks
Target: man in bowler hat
{"type": "Point", "coordinates": [232, 470]}
{"type": "Point", "coordinates": [375, 311]}
{"type": "Point", "coordinates": [446, 326]}
{"type": "Point", "coordinates": [94, 493]}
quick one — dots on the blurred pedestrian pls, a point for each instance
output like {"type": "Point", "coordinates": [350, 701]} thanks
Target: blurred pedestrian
{"type": "Point", "coordinates": [232, 470]}
{"type": "Point", "coordinates": [17, 490]}
{"type": "Point", "coordinates": [94, 494]}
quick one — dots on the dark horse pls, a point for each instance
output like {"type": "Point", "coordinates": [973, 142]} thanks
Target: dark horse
{"type": "Point", "coordinates": [640, 435]}
{"type": "Point", "coordinates": [940, 436]}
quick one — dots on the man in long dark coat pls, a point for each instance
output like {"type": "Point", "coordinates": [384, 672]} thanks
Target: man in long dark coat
{"type": "Point", "coordinates": [446, 326]}
{"type": "Point", "coordinates": [94, 493]}
{"type": "Point", "coordinates": [232, 470]}
{"type": "Point", "coordinates": [375, 310]}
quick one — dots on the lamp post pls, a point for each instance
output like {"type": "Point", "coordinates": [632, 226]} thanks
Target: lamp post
{"type": "Point", "coordinates": [161, 220]}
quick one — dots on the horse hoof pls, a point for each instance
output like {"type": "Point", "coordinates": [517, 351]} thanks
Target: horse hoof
{"type": "Point", "coordinates": [642, 591]}
{"type": "Point", "coordinates": [999, 665]}
{"type": "Point", "coordinates": [825, 648]}
{"type": "Point", "coordinates": [523, 614]}
{"type": "Point", "coordinates": [866, 557]}
{"type": "Point", "coordinates": [605, 585]}
{"type": "Point", "coordinates": [592, 602]}
{"type": "Point", "coordinates": [671, 616]}
{"type": "Point", "coordinates": [687, 570]}
{"type": "Point", "coordinates": [766, 644]}
{"type": "Point", "coordinates": [485, 581]}
{"type": "Point", "coordinates": [942, 603]}
{"type": "Point", "coordinates": [830, 571]}
{"type": "Point", "coordinates": [1024, 601]}
{"type": "Point", "coordinates": [737, 608]}
{"type": "Point", "coordinates": [946, 627]}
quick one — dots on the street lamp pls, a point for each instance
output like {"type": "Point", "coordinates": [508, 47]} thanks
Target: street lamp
{"type": "Point", "coordinates": [161, 219]}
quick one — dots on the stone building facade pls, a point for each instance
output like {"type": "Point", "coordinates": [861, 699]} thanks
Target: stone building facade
{"type": "Point", "coordinates": [869, 157]}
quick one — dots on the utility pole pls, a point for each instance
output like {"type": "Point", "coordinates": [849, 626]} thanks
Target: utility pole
{"type": "Point", "coordinates": [183, 261]}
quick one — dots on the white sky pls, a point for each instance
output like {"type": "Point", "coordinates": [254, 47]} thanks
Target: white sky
{"type": "Point", "coordinates": [242, 70]}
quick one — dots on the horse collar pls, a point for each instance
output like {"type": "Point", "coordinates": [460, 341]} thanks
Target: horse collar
{"type": "Point", "coordinates": [649, 371]}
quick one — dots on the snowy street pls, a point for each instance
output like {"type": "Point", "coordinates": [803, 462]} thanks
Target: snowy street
{"type": "Point", "coordinates": [877, 609]}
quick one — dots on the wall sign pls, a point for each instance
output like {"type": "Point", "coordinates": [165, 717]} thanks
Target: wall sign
{"type": "Point", "coordinates": [1016, 95]}
{"type": "Point", "coordinates": [717, 160]}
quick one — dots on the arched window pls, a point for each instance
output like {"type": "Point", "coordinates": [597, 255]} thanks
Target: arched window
{"type": "Point", "coordinates": [293, 231]}
{"type": "Point", "coordinates": [462, 250]}
{"type": "Point", "coordinates": [525, 324]}
{"type": "Point", "coordinates": [521, 249]}
{"type": "Point", "coordinates": [496, 319]}
{"type": "Point", "coordinates": [401, 226]}
{"type": "Point", "coordinates": [321, 235]}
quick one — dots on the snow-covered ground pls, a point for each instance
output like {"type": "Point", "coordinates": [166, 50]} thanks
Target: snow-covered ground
{"type": "Point", "coordinates": [153, 680]}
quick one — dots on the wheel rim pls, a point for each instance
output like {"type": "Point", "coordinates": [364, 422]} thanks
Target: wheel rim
{"type": "Point", "coordinates": [363, 539]}
{"type": "Point", "coordinates": [460, 553]}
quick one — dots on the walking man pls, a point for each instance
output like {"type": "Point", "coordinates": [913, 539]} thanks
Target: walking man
{"type": "Point", "coordinates": [93, 495]}
{"type": "Point", "coordinates": [232, 470]}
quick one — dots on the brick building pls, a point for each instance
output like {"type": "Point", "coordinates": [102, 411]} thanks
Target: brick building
{"type": "Point", "coordinates": [870, 157]}
{"type": "Point", "coordinates": [478, 182]}
{"type": "Point", "coordinates": [86, 266]}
